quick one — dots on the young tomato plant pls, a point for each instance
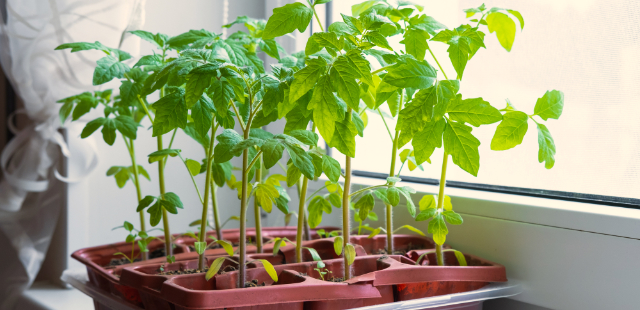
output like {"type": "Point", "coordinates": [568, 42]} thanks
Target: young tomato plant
{"type": "Point", "coordinates": [121, 114]}
{"type": "Point", "coordinates": [131, 238]}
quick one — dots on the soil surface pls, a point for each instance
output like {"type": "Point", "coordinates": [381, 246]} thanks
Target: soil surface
{"type": "Point", "coordinates": [185, 271]}
{"type": "Point", "coordinates": [254, 283]}
{"type": "Point", "coordinates": [120, 261]}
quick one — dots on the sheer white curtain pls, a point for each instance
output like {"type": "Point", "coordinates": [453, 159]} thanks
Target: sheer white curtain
{"type": "Point", "coordinates": [31, 192]}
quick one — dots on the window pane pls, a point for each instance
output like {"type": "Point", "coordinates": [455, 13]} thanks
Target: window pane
{"type": "Point", "coordinates": [590, 50]}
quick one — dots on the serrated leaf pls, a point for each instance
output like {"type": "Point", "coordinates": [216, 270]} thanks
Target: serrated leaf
{"type": "Point", "coordinates": [393, 196]}
{"type": "Point", "coordinates": [550, 105]}
{"type": "Point", "coordinates": [331, 168]}
{"type": "Point", "coordinates": [474, 111]}
{"type": "Point", "coordinates": [306, 78]}
{"type": "Point", "coordinates": [145, 202]}
{"type": "Point", "coordinates": [107, 69]}
{"type": "Point", "coordinates": [336, 200]}
{"type": "Point", "coordinates": [266, 196]}
{"type": "Point", "coordinates": [293, 175]}
{"type": "Point", "coordinates": [504, 27]}
{"type": "Point", "coordinates": [452, 217]}
{"type": "Point", "coordinates": [343, 77]}
{"type": "Point", "coordinates": [378, 39]}
{"type": "Point", "coordinates": [426, 214]}
{"type": "Point", "coordinates": [511, 131]}
{"type": "Point", "coordinates": [427, 202]}
{"type": "Point", "coordinates": [344, 137]}
{"type": "Point", "coordinates": [365, 205]}
{"type": "Point", "coordinates": [547, 147]}
{"type": "Point", "coordinates": [286, 19]}
{"type": "Point", "coordinates": [463, 147]}
{"type": "Point", "coordinates": [326, 110]}
{"type": "Point", "coordinates": [305, 136]}
{"type": "Point", "coordinates": [427, 140]}
{"type": "Point", "coordinates": [415, 41]}
{"type": "Point", "coordinates": [227, 140]}
{"type": "Point", "coordinates": [171, 113]}
{"type": "Point", "coordinates": [412, 73]}
{"type": "Point", "coordinates": [438, 229]}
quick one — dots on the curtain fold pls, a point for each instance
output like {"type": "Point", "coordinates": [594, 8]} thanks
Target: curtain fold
{"type": "Point", "coordinates": [32, 192]}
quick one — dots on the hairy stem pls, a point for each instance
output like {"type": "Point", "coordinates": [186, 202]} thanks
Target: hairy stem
{"type": "Point", "coordinates": [317, 18]}
{"type": "Point", "coordinates": [256, 208]}
{"type": "Point", "coordinates": [443, 180]}
{"type": "Point", "coordinates": [392, 172]}
{"type": "Point", "coordinates": [136, 182]}
{"type": "Point", "coordinates": [345, 211]}
{"type": "Point", "coordinates": [205, 202]}
{"type": "Point", "coordinates": [436, 59]}
{"type": "Point", "coordinates": [301, 220]}
{"type": "Point", "coordinates": [168, 249]}
{"type": "Point", "coordinates": [216, 214]}
{"type": "Point", "coordinates": [243, 217]}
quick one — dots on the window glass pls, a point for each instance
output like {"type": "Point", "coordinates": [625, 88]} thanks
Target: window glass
{"type": "Point", "coordinates": [590, 50]}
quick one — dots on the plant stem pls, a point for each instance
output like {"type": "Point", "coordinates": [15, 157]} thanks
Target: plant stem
{"type": "Point", "coordinates": [301, 220]}
{"type": "Point", "coordinates": [345, 211]}
{"type": "Point", "coordinates": [256, 208]}
{"type": "Point", "coordinates": [136, 180]}
{"type": "Point", "coordinates": [385, 123]}
{"type": "Point", "coordinates": [366, 189]}
{"type": "Point", "coordinates": [436, 59]}
{"type": "Point", "coordinates": [168, 250]}
{"type": "Point", "coordinates": [205, 202]}
{"type": "Point", "coordinates": [443, 176]}
{"type": "Point", "coordinates": [318, 19]}
{"type": "Point", "coordinates": [216, 215]}
{"type": "Point", "coordinates": [243, 216]}
{"type": "Point", "coordinates": [392, 172]}
{"type": "Point", "coordinates": [382, 69]}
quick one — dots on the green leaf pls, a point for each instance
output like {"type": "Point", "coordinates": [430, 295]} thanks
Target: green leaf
{"type": "Point", "coordinates": [550, 105]}
{"type": "Point", "coordinates": [128, 226]}
{"type": "Point", "coordinates": [305, 136]}
{"type": "Point", "coordinates": [200, 247]}
{"type": "Point", "coordinates": [547, 149]}
{"type": "Point", "coordinates": [374, 232]}
{"type": "Point", "coordinates": [353, 23]}
{"type": "Point", "coordinates": [393, 180]}
{"type": "Point", "coordinates": [306, 78]}
{"type": "Point", "coordinates": [202, 114]}
{"type": "Point", "coordinates": [158, 39]}
{"type": "Point", "coordinates": [293, 175]}
{"type": "Point", "coordinates": [326, 110]}
{"type": "Point", "coordinates": [109, 68]}
{"type": "Point", "coordinates": [446, 91]}
{"type": "Point", "coordinates": [426, 214]}
{"type": "Point", "coordinates": [194, 38]}
{"type": "Point", "coordinates": [156, 214]}
{"type": "Point", "coordinates": [266, 196]}
{"type": "Point", "coordinates": [343, 77]}
{"type": "Point", "coordinates": [226, 246]}
{"type": "Point", "coordinates": [269, 268]}
{"type": "Point", "coordinates": [463, 147]}
{"type": "Point", "coordinates": [344, 138]}
{"type": "Point", "coordinates": [411, 228]}
{"type": "Point", "coordinates": [171, 202]}
{"type": "Point", "coordinates": [145, 202]}
{"type": "Point", "coordinates": [415, 41]}
{"type": "Point", "coordinates": [393, 196]}
{"type": "Point", "coordinates": [278, 242]}
{"type": "Point", "coordinates": [171, 113]}
{"type": "Point", "coordinates": [462, 261]}
{"type": "Point", "coordinates": [92, 126]}
{"type": "Point", "coordinates": [406, 192]}
{"type": "Point", "coordinates": [221, 93]}
{"type": "Point", "coordinates": [160, 155]}
{"type": "Point", "coordinates": [336, 200]}
{"type": "Point", "coordinates": [109, 131]}
{"type": "Point", "coordinates": [286, 19]}
{"type": "Point", "coordinates": [504, 27]}
{"type": "Point", "coordinates": [214, 268]}
{"type": "Point", "coordinates": [331, 168]}
{"type": "Point", "coordinates": [337, 245]}
{"type": "Point", "coordinates": [378, 39]}
{"type": "Point", "coordinates": [365, 205]}
{"type": "Point", "coordinates": [193, 166]}
{"type": "Point", "coordinates": [361, 65]}
{"type": "Point", "coordinates": [426, 23]}
{"type": "Point", "coordinates": [328, 40]}
{"type": "Point", "coordinates": [412, 73]}
{"type": "Point", "coordinates": [452, 218]}
{"type": "Point", "coordinates": [438, 229]}
{"type": "Point", "coordinates": [518, 16]}
{"type": "Point", "coordinates": [314, 254]}
{"type": "Point", "coordinates": [198, 80]}
{"type": "Point", "coordinates": [350, 253]}
{"type": "Point", "coordinates": [427, 202]}
{"type": "Point", "coordinates": [358, 123]}
{"type": "Point", "coordinates": [510, 131]}
{"type": "Point", "coordinates": [126, 125]}
{"type": "Point", "coordinates": [474, 111]}
{"type": "Point", "coordinates": [227, 140]}
{"type": "Point", "coordinates": [427, 140]}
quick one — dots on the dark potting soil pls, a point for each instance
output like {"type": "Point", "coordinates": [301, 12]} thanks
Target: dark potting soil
{"type": "Point", "coordinates": [185, 271]}
{"type": "Point", "coordinates": [120, 261]}
{"type": "Point", "coordinates": [159, 252]}
{"type": "Point", "coordinates": [337, 280]}
{"type": "Point", "coordinates": [254, 283]}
